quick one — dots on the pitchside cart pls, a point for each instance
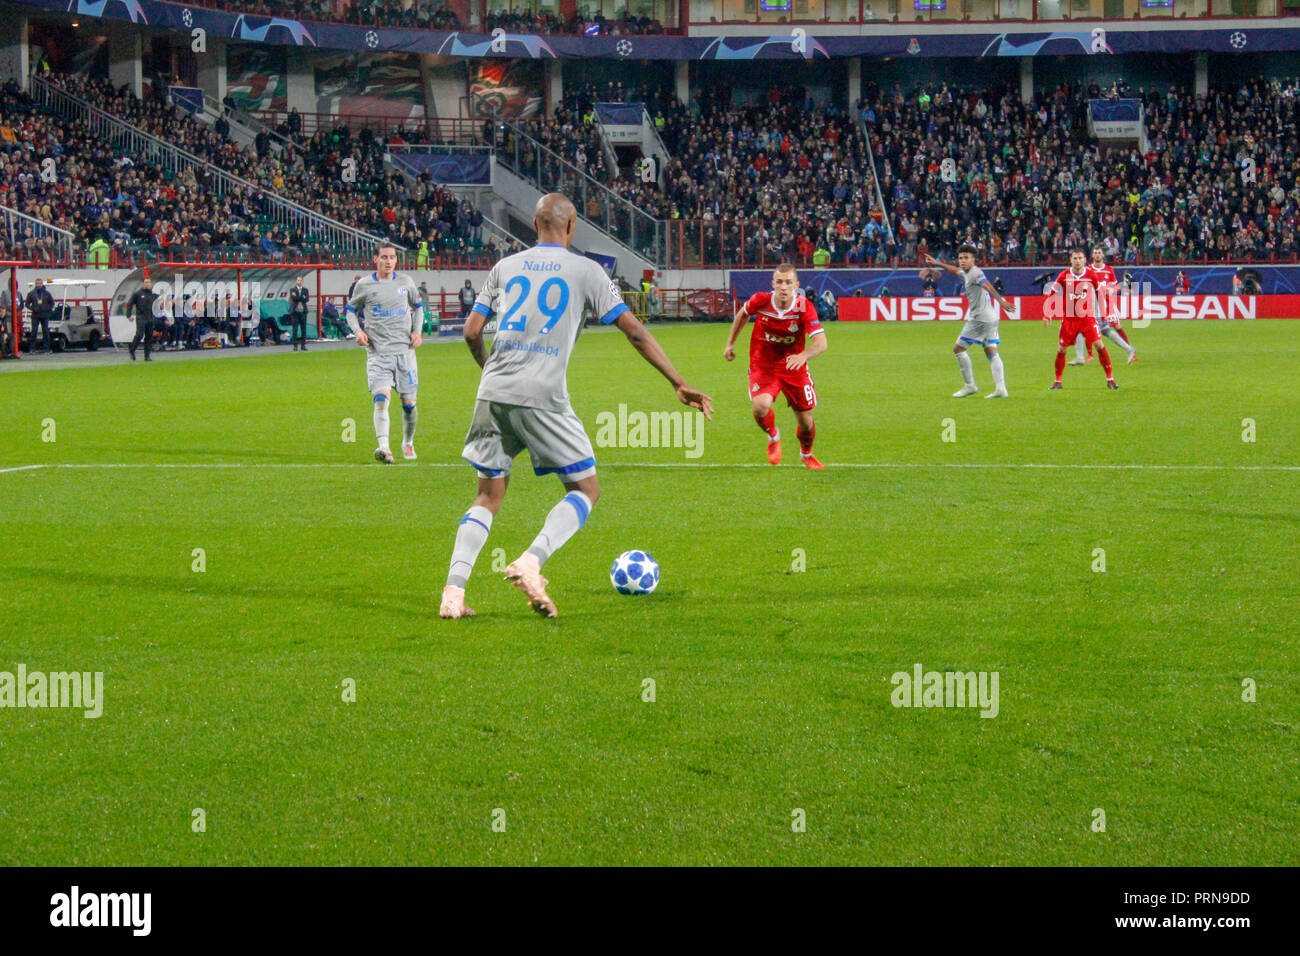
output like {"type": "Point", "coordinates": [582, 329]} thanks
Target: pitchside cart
{"type": "Point", "coordinates": [78, 324]}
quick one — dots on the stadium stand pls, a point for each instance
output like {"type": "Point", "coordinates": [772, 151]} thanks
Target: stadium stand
{"type": "Point", "coordinates": [762, 183]}
{"type": "Point", "coordinates": [746, 185]}
{"type": "Point", "coordinates": [425, 15]}
{"type": "Point", "coordinates": [142, 211]}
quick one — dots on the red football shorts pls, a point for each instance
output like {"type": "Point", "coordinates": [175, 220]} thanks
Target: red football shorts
{"type": "Point", "coordinates": [796, 386]}
{"type": "Point", "coordinates": [1070, 329]}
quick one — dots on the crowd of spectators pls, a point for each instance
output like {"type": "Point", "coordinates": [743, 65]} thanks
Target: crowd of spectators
{"type": "Point", "coordinates": [132, 202]}
{"type": "Point", "coordinates": [413, 14]}
{"type": "Point", "coordinates": [784, 178]}
{"type": "Point", "coordinates": [778, 178]}
{"type": "Point", "coordinates": [1220, 178]}
{"type": "Point", "coordinates": [516, 21]}
{"type": "Point", "coordinates": [436, 15]}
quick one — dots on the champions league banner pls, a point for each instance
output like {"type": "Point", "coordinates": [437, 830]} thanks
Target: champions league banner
{"type": "Point", "coordinates": [796, 43]}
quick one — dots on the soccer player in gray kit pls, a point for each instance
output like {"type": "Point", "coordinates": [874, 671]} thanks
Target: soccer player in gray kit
{"type": "Point", "coordinates": [541, 295]}
{"type": "Point", "coordinates": [385, 311]}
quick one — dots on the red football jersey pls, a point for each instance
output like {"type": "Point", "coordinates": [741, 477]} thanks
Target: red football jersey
{"type": "Point", "coordinates": [1079, 291]}
{"type": "Point", "coordinates": [779, 334]}
{"type": "Point", "coordinates": [1106, 283]}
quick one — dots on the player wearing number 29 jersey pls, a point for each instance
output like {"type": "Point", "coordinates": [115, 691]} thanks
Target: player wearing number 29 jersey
{"type": "Point", "coordinates": [541, 296]}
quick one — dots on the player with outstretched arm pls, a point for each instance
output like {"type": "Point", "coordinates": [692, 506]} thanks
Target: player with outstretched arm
{"type": "Point", "coordinates": [384, 312]}
{"type": "Point", "coordinates": [523, 401]}
{"type": "Point", "coordinates": [778, 359]}
{"type": "Point", "coordinates": [981, 326]}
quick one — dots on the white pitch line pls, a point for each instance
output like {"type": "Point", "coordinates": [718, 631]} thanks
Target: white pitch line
{"type": "Point", "coordinates": [675, 465]}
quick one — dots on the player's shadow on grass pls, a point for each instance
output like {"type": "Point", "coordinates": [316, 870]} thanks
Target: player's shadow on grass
{"type": "Point", "coordinates": [150, 588]}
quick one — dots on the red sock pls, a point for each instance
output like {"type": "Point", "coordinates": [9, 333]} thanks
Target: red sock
{"type": "Point", "coordinates": [1105, 361]}
{"type": "Point", "coordinates": [768, 423]}
{"type": "Point", "coordinates": [1060, 364]}
{"type": "Point", "coordinates": [1122, 334]}
{"type": "Point", "coordinates": [806, 436]}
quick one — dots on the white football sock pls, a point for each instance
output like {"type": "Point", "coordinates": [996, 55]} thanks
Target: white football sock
{"type": "Point", "coordinates": [561, 524]}
{"type": "Point", "coordinates": [410, 417]}
{"type": "Point", "coordinates": [995, 364]}
{"type": "Point", "coordinates": [470, 538]}
{"type": "Point", "coordinates": [381, 420]}
{"type": "Point", "coordinates": [1118, 340]}
{"type": "Point", "coordinates": [1080, 346]}
{"type": "Point", "coordinates": [967, 372]}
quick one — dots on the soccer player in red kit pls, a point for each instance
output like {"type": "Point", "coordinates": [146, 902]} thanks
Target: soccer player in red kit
{"type": "Point", "coordinates": [778, 359]}
{"type": "Point", "coordinates": [1072, 298]}
{"type": "Point", "coordinates": [1103, 277]}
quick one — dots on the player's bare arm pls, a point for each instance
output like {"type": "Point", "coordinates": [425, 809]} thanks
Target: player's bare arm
{"type": "Point", "coordinates": [653, 352]}
{"type": "Point", "coordinates": [947, 267]}
{"type": "Point", "coordinates": [474, 337]}
{"type": "Point", "coordinates": [737, 324]}
{"type": "Point", "coordinates": [815, 347]}
{"type": "Point", "coordinates": [1052, 290]}
{"type": "Point", "coordinates": [1007, 306]}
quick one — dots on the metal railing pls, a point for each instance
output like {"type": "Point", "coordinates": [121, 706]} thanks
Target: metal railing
{"type": "Point", "coordinates": [606, 147]}
{"type": "Point", "coordinates": [146, 148]}
{"type": "Point", "coordinates": [458, 132]}
{"type": "Point", "coordinates": [548, 171]}
{"type": "Point", "coordinates": [875, 178]}
{"type": "Point", "coordinates": [18, 226]}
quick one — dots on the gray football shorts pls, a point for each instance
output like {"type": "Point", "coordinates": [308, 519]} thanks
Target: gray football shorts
{"type": "Point", "coordinates": [556, 441]}
{"type": "Point", "coordinates": [975, 332]}
{"type": "Point", "coordinates": [397, 371]}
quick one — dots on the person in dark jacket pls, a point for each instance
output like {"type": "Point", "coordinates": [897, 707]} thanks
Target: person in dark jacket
{"type": "Point", "coordinates": [6, 326]}
{"type": "Point", "coordinates": [40, 304]}
{"type": "Point", "coordinates": [298, 297]}
{"type": "Point", "coordinates": [467, 297]}
{"type": "Point", "coordinates": [142, 304]}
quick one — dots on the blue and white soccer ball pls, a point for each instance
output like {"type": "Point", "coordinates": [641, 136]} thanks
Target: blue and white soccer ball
{"type": "Point", "coordinates": [634, 572]}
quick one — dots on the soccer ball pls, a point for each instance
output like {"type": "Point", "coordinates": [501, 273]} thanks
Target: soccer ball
{"type": "Point", "coordinates": [634, 572]}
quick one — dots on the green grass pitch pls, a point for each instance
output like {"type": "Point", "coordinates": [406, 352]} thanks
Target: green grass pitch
{"type": "Point", "coordinates": [1120, 691]}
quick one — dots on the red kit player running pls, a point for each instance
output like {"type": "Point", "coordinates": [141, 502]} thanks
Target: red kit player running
{"type": "Point", "coordinates": [1108, 319]}
{"type": "Point", "coordinates": [1072, 297]}
{"type": "Point", "coordinates": [778, 360]}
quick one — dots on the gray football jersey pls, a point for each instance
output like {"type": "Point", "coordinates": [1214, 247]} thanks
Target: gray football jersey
{"type": "Point", "coordinates": [389, 310]}
{"type": "Point", "coordinates": [539, 296]}
{"type": "Point", "coordinates": [981, 303]}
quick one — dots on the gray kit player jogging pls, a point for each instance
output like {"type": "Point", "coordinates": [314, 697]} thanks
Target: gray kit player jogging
{"type": "Point", "coordinates": [389, 310]}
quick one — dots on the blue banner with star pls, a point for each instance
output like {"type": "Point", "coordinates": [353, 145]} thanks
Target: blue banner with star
{"type": "Point", "coordinates": [795, 43]}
